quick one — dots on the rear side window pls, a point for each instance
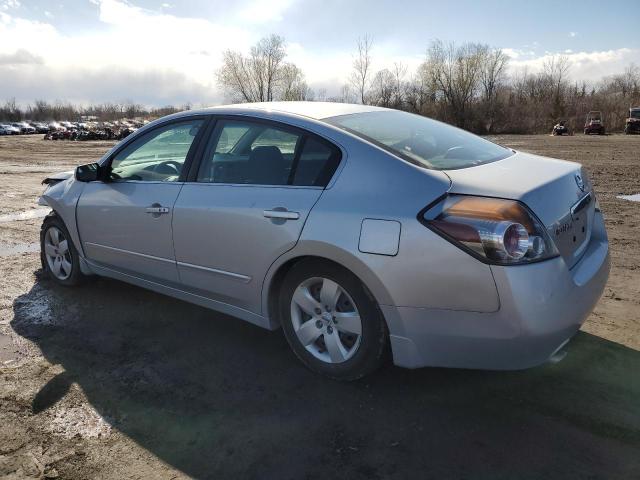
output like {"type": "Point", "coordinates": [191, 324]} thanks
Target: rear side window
{"type": "Point", "coordinates": [420, 140]}
{"type": "Point", "coordinates": [316, 163]}
{"type": "Point", "coordinates": [256, 153]}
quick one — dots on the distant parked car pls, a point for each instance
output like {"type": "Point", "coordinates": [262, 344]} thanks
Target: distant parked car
{"type": "Point", "coordinates": [10, 130]}
{"type": "Point", "coordinates": [40, 127]}
{"type": "Point", "coordinates": [593, 123]}
{"type": "Point", "coordinates": [357, 229]}
{"type": "Point", "coordinates": [24, 127]}
{"type": "Point", "coordinates": [56, 127]}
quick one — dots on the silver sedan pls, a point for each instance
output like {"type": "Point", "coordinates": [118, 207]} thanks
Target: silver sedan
{"type": "Point", "coordinates": [358, 230]}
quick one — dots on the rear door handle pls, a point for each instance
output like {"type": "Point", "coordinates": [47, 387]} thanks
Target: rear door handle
{"type": "Point", "coordinates": [282, 214]}
{"type": "Point", "coordinates": [157, 210]}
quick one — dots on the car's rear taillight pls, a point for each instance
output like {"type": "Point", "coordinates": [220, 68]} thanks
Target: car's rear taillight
{"type": "Point", "coordinates": [495, 230]}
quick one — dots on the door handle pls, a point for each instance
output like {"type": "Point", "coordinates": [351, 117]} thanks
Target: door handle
{"type": "Point", "coordinates": [157, 210]}
{"type": "Point", "coordinates": [281, 214]}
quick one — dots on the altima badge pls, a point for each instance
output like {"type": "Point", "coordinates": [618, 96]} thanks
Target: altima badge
{"type": "Point", "coordinates": [580, 182]}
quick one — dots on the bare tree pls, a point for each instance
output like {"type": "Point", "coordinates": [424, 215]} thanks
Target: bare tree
{"type": "Point", "coordinates": [360, 77]}
{"type": "Point", "coordinates": [399, 72]}
{"type": "Point", "coordinates": [322, 95]}
{"type": "Point", "coordinates": [10, 111]}
{"type": "Point", "coordinates": [493, 65]}
{"type": "Point", "coordinates": [556, 69]}
{"type": "Point", "coordinates": [293, 84]}
{"type": "Point", "coordinates": [256, 77]}
{"type": "Point", "coordinates": [421, 91]}
{"type": "Point", "coordinates": [382, 88]}
{"type": "Point", "coordinates": [346, 95]}
{"type": "Point", "coordinates": [454, 71]}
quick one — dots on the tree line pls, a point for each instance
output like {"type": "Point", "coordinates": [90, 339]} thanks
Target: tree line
{"type": "Point", "coordinates": [468, 85]}
{"type": "Point", "coordinates": [41, 110]}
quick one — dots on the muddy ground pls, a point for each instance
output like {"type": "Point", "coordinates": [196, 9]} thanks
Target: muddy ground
{"type": "Point", "coordinates": [110, 381]}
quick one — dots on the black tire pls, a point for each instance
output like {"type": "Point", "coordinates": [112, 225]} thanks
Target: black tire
{"type": "Point", "coordinates": [76, 277]}
{"type": "Point", "coordinates": [373, 346]}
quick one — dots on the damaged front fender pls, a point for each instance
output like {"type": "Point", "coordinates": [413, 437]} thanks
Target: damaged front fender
{"type": "Point", "coordinates": [62, 195]}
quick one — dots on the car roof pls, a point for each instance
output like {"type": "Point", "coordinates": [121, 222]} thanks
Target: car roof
{"type": "Point", "coordinates": [315, 110]}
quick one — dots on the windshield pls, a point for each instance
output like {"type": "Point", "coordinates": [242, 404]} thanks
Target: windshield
{"type": "Point", "coordinates": [635, 113]}
{"type": "Point", "coordinates": [420, 140]}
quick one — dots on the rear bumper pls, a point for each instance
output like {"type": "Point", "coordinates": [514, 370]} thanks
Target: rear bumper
{"type": "Point", "coordinates": [541, 307]}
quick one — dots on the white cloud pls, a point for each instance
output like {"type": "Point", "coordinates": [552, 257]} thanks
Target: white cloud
{"type": "Point", "coordinates": [572, 34]}
{"type": "Point", "coordinates": [178, 55]}
{"type": "Point", "coordinates": [331, 69]}
{"type": "Point", "coordinates": [20, 57]}
{"type": "Point", "coordinates": [511, 52]}
{"type": "Point", "coordinates": [9, 4]}
{"type": "Point", "coordinates": [588, 66]}
{"type": "Point", "coordinates": [135, 41]}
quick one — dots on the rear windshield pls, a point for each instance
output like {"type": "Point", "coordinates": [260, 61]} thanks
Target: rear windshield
{"type": "Point", "coordinates": [420, 140]}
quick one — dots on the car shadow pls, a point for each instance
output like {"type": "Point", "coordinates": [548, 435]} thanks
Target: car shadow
{"type": "Point", "coordinates": [216, 397]}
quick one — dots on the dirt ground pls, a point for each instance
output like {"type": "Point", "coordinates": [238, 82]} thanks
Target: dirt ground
{"type": "Point", "coordinates": [110, 381]}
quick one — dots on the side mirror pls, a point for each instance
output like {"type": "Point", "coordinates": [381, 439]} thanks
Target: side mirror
{"type": "Point", "coordinates": [88, 173]}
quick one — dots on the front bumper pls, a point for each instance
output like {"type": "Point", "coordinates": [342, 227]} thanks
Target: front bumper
{"type": "Point", "coordinates": [542, 306]}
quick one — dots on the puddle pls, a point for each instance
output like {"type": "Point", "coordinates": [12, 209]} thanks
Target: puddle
{"type": "Point", "coordinates": [9, 250]}
{"type": "Point", "coordinates": [34, 308]}
{"type": "Point", "coordinates": [26, 215]}
{"type": "Point", "coordinates": [8, 353]}
{"type": "Point", "coordinates": [633, 198]}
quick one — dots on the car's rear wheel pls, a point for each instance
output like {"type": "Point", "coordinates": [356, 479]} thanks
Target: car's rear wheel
{"type": "Point", "coordinates": [331, 321]}
{"type": "Point", "coordinates": [59, 256]}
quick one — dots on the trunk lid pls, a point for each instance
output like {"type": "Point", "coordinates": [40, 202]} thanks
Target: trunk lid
{"type": "Point", "coordinates": [557, 191]}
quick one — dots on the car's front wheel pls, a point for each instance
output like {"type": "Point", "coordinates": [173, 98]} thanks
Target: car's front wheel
{"type": "Point", "coordinates": [58, 254]}
{"type": "Point", "coordinates": [331, 321]}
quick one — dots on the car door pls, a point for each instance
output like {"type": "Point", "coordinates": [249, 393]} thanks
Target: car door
{"type": "Point", "coordinates": [125, 220]}
{"type": "Point", "coordinates": [256, 183]}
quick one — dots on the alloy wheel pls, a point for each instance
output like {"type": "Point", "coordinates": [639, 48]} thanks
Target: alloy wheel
{"type": "Point", "coordinates": [326, 320]}
{"type": "Point", "coordinates": [57, 253]}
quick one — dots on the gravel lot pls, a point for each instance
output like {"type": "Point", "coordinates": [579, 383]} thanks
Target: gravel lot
{"type": "Point", "coordinates": [110, 381]}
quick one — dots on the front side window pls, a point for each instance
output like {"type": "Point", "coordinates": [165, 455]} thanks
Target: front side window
{"type": "Point", "coordinates": [157, 156]}
{"type": "Point", "coordinates": [245, 152]}
{"type": "Point", "coordinates": [420, 140]}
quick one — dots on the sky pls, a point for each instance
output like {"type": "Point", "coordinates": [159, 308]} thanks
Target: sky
{"type": "Point", "coordinates": [161, 53]}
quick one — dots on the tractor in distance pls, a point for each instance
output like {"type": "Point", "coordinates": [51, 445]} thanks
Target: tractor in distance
{"type": "Point", "coordinates": [632, 124]}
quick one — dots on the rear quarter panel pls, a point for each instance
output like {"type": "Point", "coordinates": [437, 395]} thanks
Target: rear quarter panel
{"type": "Point", "coordinates": [427, 271]}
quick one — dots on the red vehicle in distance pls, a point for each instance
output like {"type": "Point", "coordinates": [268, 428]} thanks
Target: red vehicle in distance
{"type": "Point", "coordinates": [593, 123]}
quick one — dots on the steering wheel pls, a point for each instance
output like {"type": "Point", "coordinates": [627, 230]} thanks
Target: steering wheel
{"type": "Point", "coordinates": [170, 167]}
